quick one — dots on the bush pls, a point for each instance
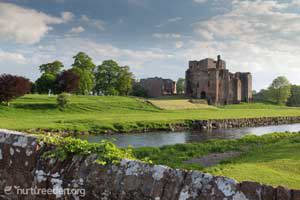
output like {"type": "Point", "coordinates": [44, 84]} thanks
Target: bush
{"type": "Point", "coordinates": [12, 87]}
{"type": "Point", "coordinates": [62, 101]}
{"type": "Point", "coordinates": [107, 152]}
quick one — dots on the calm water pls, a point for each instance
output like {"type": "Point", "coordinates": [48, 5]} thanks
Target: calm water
{"type": "Point", "coordinates": [156, 139]}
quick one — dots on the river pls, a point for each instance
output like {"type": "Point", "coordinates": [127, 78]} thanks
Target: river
{"type": "Point", "coordinates": [156, 139]}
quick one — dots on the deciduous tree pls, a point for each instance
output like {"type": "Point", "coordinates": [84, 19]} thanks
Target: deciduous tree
{"type": "Point", "coordinates": [45, 83]}
{"type": "Point", "coordinates": [180, 85]}
{"type": "Point", "coordinates": [51, 68]}
{"type": "Point", "coordinates": [279, 90]}
{"type": "Point", "coordinates": [67, 81]}
{"type": "Point", "coordinates": [12, 87]}
{"type": "Point", "coordinates": [83, 65]}
{"type": "Point", "coordinates": [138, 90]}
{"type": "Point", "coordinates": [125, 79]}
{"type": "Point", "coordinates": [294, 99]}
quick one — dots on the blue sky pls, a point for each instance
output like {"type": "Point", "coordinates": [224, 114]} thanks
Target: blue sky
{"type": "Point", "coordinates": [153, 37]}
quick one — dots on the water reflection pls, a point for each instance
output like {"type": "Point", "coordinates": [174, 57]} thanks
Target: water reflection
{"type": "Point", "coordinates": [156, 139]}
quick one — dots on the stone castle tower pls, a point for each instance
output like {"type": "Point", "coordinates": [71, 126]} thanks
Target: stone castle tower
{"type": "Point", "coordinates": [209, 79]}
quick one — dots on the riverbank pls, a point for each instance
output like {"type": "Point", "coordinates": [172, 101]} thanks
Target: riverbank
{"type": "Point", "coordinates": [272, 159]}
{"type": "Point", "coordinates": [98, 115]}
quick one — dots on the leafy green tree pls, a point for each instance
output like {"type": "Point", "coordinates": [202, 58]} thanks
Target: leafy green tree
{"type": "Point", "coordinates": [125, 79]}
{"type": "Point", "coordinates": [107, 78]}
{"type": "Point", "coordinates": [279, 91]}
{"type": "Point", "coordinates": [51, 68]}
{"type": "Point", "coordinates": [86, 81]}
{"type": "Point", "coordinates": [45, 83]}
{"type": "Point", "coordinates": [261, 96]}
{"type": "Point", "coordinates": [83, 66]}
{"type": "Point", "coordinates": [294, 99]}
{"type": "Point", "coordinates": [180, 85]}
{"type": "Point", "coordinates": [83, 61]}
{"type": "Point", "coordinates": [112, 79]}
{"type": "Point", "coordinates": [138, 90]}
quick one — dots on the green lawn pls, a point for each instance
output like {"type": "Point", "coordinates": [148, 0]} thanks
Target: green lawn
{"type": "Point", "coordinates": [89, 113]}
{"type": "Point", "coordinates": [272, 159]}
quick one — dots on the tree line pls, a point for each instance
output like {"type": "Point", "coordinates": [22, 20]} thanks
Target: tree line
{"type": "Point", "coordinates": [85, 78]}
{"type": "Point", "coordinates": [280, 92]}
{"type": "Point", "coordinates": [109, 78]}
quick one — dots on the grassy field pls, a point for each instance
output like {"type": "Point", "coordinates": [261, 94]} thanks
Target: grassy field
{"type": "Point", "coordinates": [91, 113]}
{"type": "Point", "coordinates": [272, 159]}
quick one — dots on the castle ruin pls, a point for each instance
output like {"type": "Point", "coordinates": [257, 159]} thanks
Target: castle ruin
{"type": "Point", "coordinates": [157, 87]}
{"type": "Point", "coordinates": [209, 79]}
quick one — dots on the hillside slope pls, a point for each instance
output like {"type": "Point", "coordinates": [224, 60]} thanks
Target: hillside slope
{"type": "Point", "coordinates": [98, 114]}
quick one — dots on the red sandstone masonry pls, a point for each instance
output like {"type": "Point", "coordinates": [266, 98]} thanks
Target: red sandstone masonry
{"type": "Point", "coordinates": [21, 165]}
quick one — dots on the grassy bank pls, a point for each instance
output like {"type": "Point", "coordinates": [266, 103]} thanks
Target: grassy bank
{"type": "Point", "coordinates": [98, 114]}
{"type": "Point", "coordinates": [272, 159]}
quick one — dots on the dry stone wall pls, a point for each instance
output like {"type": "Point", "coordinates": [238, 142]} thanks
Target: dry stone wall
{"type": "Point", "coordinates": [22, 166]}
{"type": "Point", "coordinates": [243, 122]}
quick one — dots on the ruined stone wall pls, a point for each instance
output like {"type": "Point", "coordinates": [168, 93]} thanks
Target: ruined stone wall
{"type": "Point", "coordinates": [157, 87]}
{"type": "Point", "coordinates": [169, 87]}
{"type": "Point", "coordinates": [213, 91]}
{"type": "Point", "coordinates": [22, 166]}
{"type": "Point", "coordinates": [246, 87]}
{"type": "Point", "coordinates": [153, 86]}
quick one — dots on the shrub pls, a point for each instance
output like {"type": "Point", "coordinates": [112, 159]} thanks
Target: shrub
{"type": "Point", "coordinates": [12, 87]}
{"type": "Point", "coordinates": [106, 151]}
{"type": "Point", "coordinates": [62, 101]}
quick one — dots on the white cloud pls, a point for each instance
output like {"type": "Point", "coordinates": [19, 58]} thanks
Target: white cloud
{"type": "Point", "coordinates": [200, 1]}
{"type": "Point", "coordinates": [257, 36]}
{"type": "Point", "coordinates": [85, 18]}
{"type": "Point", "coordinates": [24, 25]}
{"type": "Point", "coordinates": [64, 49]}
{"type": "Point", "coordinates": [169, 21]}
{"type": "Point", "coordinates": [296, 2]}
{"type": "Point", "coordinates": [166, 35]}
{"type": "Point", "coordinates": [12, 57]}
{"type": "Point", "coordinates": [78, 29]}
{"type": "Point", "coordinates": [67, 16]}
{"type": "Point", "coordinates": [179, 44]}
{"type": "Point", "coordinates": [97, 23]}
{"type": "Point", "coordinates": [175, 19]}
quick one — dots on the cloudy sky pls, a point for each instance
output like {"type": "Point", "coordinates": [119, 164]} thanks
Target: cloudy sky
{"type": "Point", "coordinates": [154, 37]}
